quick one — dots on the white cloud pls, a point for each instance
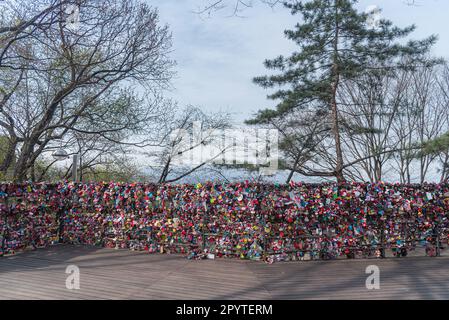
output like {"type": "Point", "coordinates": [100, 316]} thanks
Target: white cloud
{"type": "Point", "coordinates": [218, 56]}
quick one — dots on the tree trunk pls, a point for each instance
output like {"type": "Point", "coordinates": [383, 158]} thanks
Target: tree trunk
{"type": "Point", "coordinates": [378, 170]}
{"type": "Point", "coordinates": [9, 157]}
{"type": "Point", "coordinates": [292, 172]}
{"type": "Point", "coordinates": [164, 173]}
{"type": "Point", "coordinates": [33, 172]}
{"type": "Point", "coordinates": [22, 165]}
{"type": "Point", "coordinates": [335, 130]}
{"type": "Point", "coordinates": [335, 123]}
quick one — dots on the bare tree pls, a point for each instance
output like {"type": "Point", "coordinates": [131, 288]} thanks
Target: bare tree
{"type": "Point", "coordinates": [443, 102]}
{"type": "Point", "coordinates": [236, 6]}
{"type": "Point", "coordinates": [87, 80]}
{"type": "Point", "coordinates": [430, 113]}
{"type": "Point", "coordinates": [301, 139]}
{"type": "Point", "coordinates": [403, 129]}
{"type": "Point", "coordinates": [184, 142]}
{"type": "Point", "coordinates": [421, 118]}
{"type": "Point", "coordinates": [20, 21]}
{"type": "Point", "coordinates": [370, 106]}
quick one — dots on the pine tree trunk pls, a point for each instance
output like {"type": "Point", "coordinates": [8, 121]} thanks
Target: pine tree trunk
{"type": "Point", "coordinates": [164, 173]}
{"type": "Point", "coordinates": [292, 172]}
{"type": "Point", "coordinates": [336, 132]}
{"type": "Point", "coordinates": [335, 123]}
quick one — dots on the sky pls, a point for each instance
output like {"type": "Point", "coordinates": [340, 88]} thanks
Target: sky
{"type": "Point", "coordinates": [218, 56]}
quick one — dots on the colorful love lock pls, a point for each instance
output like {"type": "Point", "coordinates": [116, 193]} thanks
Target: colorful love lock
{"type": "Point", "coordinates": [137, 216]}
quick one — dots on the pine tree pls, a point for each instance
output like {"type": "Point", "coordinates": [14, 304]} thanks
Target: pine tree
{"type": "Point", "coordinates": [336, 44]}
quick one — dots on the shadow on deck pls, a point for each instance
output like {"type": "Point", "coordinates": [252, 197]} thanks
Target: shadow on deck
{"type": "Point", "coordinates": [124, 274]}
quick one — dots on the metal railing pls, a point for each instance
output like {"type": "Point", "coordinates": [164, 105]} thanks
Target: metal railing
{"type": "Point", "coordinates": [56, 206]}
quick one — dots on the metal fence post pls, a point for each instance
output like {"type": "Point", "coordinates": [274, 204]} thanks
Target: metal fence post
{"type": "Point", "coordinates": [382, 240]}
{"type": "Point", "coordinates": [204, 225]}
{"type": "Point", "coordinates": [264, 238]}
{"type": "Point", "coordinates": [75, 176]}
{"type": "Point", "coordinates": [60, 216]}
{"type": "Point", "coordinates": [437, 238]}
{"type": "Point", "coordinates": [405, 228]}
{"type": "Point", "coordinates": [5, 220]}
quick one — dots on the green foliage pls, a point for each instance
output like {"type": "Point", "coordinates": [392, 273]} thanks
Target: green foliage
{"type": "Point", "coordinates": [436, 146]}
{"type": "Point", "coordinates": [122, 172]}
{"type": "Point", "coordinates": [335, 44]}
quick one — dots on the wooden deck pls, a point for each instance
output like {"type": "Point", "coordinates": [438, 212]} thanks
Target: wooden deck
{"type": "Point", "coordinates": [123, 274]}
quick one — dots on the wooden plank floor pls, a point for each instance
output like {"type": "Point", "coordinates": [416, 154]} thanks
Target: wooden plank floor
{"type": "Point", "coordinates": [123, 274]}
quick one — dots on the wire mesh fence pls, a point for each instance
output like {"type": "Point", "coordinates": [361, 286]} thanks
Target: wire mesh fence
{"type": "Point", "coordinates": [247, 221]}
